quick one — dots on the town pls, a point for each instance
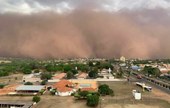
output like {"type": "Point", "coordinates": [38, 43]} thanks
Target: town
{"type": "Point", "coordinates": [104, 83]}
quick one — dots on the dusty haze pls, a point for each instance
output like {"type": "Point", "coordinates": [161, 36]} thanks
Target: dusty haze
{"type": "Point", "coordinates": [39, 29]}
{"type": "Point", "coordinates": [82, 34]}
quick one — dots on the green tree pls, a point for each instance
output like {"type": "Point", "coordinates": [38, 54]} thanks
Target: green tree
{"type": "Point", "coordinates": [83, 94]}
{"type": "Point", "coordinates": [28, 83]}
{"type": "Point", "coordinates": [90, 63]}
{"type": "Point", "coordinates": [105, 90]}
{"type": "Point", "coordinates": [156, 72]}
{"type": "Point", "coordinates": [149, 70]}
{"type": "Point", "coordinates": [53, 91]}
{"type": "Point", "coordinates": [36, 71]}
{"type": "Point", "coordinates": [26, 69]}
{"type": "Point", "coordinates": [67, 68]}
{"type": "Point", "coordinates": [44, 82]}
{"type": "Point", "coordinates": [70, 75]}
{"type": "Point", "coordinates": [74, 71]}
{"type": "Point", "coordinates": [2, 86]}
{"type": "Point", "coordinates": [93, 74]}
{"type": "Point", "coordinates": [36, 99]}
{"type": "Point", "coordinates": [120, 73]}
{"type": "Point", "coordinates": [46, 76]}
{"type": "Point", "coordinates": [92, 100]}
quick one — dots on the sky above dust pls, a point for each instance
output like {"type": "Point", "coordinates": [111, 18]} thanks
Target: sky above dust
{"type": "Point", "coordinates": [85, 28]}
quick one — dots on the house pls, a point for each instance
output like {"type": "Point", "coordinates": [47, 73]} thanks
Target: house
{"type": "Point", "coordinates": [29, 89]}
{"type": "Point", "coordinates": [64, 88]}
{"type": "Point", "coordinates": [88, 89]}
{"type": "Point", "coordinates": [82, 75]}
{"type": "Point", "coordinates": [34, 77]}
{"type": "Point", "coordinates": [85, 85]}
{"type": "Point", "coordinates": [15, 104]}
{"type": "Point", "coordinates": [59, 76]}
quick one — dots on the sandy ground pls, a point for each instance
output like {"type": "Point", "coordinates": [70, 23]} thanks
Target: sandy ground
{"type": "Point", "coordinates": [8, 89]}
{"type": "Point", "coordinates": [12, 79]}
{"type": "Point", "coordinates": [130, 106]}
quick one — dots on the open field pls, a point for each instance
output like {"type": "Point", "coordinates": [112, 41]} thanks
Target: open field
{"type": "Point", "coordinates": [108, 102]}
{"type": "Point", "coordinates": [12, 79]}
{"type": "Point", "coordinates": [123, 99]}
{"type": "Point", "coordinates": [122, 88]}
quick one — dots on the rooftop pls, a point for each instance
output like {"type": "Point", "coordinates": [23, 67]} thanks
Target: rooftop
{"type": "Point", "coordinates": [29, 88]}
{"type": "Point", "coordinates": [63, 86]}
{"type": "Point", "coordinates": [59, 76]}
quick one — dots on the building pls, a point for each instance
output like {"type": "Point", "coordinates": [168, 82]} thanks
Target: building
{"type": "Point", "coordinates": [59, 76]}
{"type": "Point", "coordinates": [82, 75]}
{"type": "Point", "coordinates": [29, 89]}
{"type": "Point", "coordinates": [64, 88]}
{"type": "Point", "coordinates": [123, 59]}
{"type": "Point", "coordinates": [35, 77]}
{"type": "Point", "coordinates": [15, 104]}
{"type": "Point", "coordinates": [85, 85]}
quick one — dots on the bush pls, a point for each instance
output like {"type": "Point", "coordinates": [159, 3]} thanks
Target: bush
{"type": "Point", "coordinates": [36, 99]}
{"type": "Point", "coordinates": [105, 90]}
{"type": "Point", "coordinates": [43, 82]}
{"type": "Point", "coordinates": [70, 75]}
{"type": "Point", "coordinates": [46, 76]}
{"type": "Point", "coordinates": [28, 83]}
{"type": "Point", "coordinates": [42, 92]}
{"type": "Point", "coordinates": [53, 91]}
{"type": "Point", "coordinates": [2, 86]}
{"type": "Point", "coordinates": [92, 100]}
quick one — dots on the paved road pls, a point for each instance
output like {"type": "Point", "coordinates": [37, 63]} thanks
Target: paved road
{"type": "Point", "coordinates": [134, 79]}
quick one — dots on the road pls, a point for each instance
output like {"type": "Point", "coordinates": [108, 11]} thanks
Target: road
{"type": "Point", "coordinates": [134, 79]}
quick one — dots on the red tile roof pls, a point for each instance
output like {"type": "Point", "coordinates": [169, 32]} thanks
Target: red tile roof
{"type": "Point", "coordinates": [82, 75]}
{"type": "Point", "coordinates": [63, 86]}
{"type": "Point", "coordinates": [88, 89]}
{"type": "Point", "coordinates": [59, 76]}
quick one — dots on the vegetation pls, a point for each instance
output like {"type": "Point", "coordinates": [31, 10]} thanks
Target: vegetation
{"type": "Point", "coordinates": [28, 83]}
{"type": "Point", "coordinates": [46, 76]}
{"type": "Point", "coordinates": [149, 70]}
{"type": "Point", "coordinates": [2, 86]}
{"type": "Point", "coordinates": [93, 73]}
{"type": "Point", "coordinates": [44, 82]}
{"type": "Point", "coordinates": [53, 91]}
{"type": "Point", "coordinates": [91, 97]}
{"type": "Point", "coordinates": [105, 90]}
{"type": "Point", "coordinates": [70, 75]}
{"type": "Point", "coordinates": [36, 99]}
{"type": "Point", "coordinates": [120, 73]}
{"type": "Point", "coordinates": [92, 100]}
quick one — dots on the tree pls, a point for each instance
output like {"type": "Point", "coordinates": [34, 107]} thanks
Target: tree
{"type": "Point", "coordinates": [92, 100]}
{"type": "Point", "coordinates": [156, 72]}
{"type": "Point", "coordinates": [151, 71]}
{"type": "Point", "coordinates": [46, 76]}
{"type": "Point", "coordinates": [26, 69]}
{"type": "Point", "coordinates": [36, 71]}
{"type": "Point", "coordinates": [36, 99]}
{"type": "Point", "coordinates": [69, 75]}
{"type": "Point", "coordinates": [53, 91]}
{"type": "Point", "coordinates": [2, 86]}
{"type": "Point", "coordinates": [90, 63]}
{"type": "Point", "coordinates": [44, 82]}
{"type": "Point", "coordinates": [74, 71]}
{"type": "Point", "coordinates": [67, 68]}
{"type": "Point", "coordinates": [93, 73]}
{"type": "Point", "coordinates": [120, 73]}
{"type": "Point", "coordinates": [28, 83]}
{"type": "Point", "coordinates": [83, 94]}
{"type": "Point", "coordinates": [105, 90]}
